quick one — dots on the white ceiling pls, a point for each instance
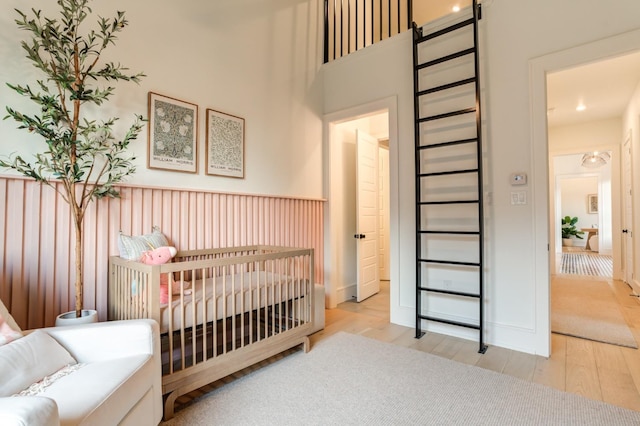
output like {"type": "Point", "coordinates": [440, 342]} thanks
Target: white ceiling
{"type": "Point", "coordinates": [604, 87]}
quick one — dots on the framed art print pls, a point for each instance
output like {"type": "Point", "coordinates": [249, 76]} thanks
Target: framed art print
{"type": "Point", "coordinates": [592, 203]}
{"type": "Point", "coordinates": [173, 134]}
{"type": "Point", "coordinates": [225, 144]}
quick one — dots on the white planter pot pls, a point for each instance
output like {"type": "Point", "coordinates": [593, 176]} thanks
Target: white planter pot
{"type": "Point", "coordinates": [69, 318]}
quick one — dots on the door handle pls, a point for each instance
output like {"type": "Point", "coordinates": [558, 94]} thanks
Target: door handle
{"type": "Point", "coordinates": [359, 236]}
{"type": "Point", "coordinates": [625, 231]}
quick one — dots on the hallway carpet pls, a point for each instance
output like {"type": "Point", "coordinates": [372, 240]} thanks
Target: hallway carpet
{"type": "Point", "coordinates": [587, 308]}
{"type": "Point", "coordinates": [587, 264]}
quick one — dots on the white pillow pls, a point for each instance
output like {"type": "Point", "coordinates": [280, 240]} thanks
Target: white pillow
{"type": "Point", "coordinates": [29, 359]}
{"type": "Point", "coordinates": [132, 247]}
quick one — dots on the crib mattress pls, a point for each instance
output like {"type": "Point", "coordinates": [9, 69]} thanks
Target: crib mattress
{"type": "Point", "coordinates": [216, 298]}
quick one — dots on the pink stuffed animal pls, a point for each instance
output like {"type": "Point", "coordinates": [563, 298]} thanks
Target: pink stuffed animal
{"type": "Point", "coordinates": [160, 256]}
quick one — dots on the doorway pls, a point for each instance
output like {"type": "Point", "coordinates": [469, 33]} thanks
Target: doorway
{"type": "Point", "coordinates": [544, 219]}
{"type": "Point", "coordinates": [361, 175]}
{"type": "Point", "coordinates": [379, 120]}
{"type": "Point", "coordinates": [586, 190]}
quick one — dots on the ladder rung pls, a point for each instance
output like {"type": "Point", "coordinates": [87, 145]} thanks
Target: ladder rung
{"type": "Point", "coordinates": [450, 232]}
{"type": "Point", "coordinates": [451, 172]}
{"type": "Point", "coordinates": [446, 321]}
{"type": "Point", "coordinates": [433, 203]}
{"type": "Point", "coordinates": [449, 262]}
{"type": "Point", "coordinates": [447, 115]}
{"type": "Point", "coordinates": [444, 31]}
{"type": "Point", "coordinates": [452, 292]}
{"type": "Point", "coordinates": [447, 86]}
{"type": "Point", "coordinates": [450, 143]}
{"type": "Point", "coordinates": [446, 58]}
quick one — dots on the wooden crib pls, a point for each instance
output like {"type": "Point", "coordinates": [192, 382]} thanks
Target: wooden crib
{"type": "Point", "coordinates": [232, 307]}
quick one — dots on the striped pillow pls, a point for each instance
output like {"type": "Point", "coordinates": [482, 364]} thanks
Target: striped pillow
{"type": "Point", "coordinates": [132, 247]}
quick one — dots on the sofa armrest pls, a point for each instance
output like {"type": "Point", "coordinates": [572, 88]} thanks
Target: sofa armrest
{"type": "Point", "coordinates": [107, 340]}
{"type": "Point", "coordinates": [28, 410]}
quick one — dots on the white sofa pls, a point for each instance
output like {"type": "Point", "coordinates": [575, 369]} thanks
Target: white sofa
{"type": "Point", "coordinates": [117, 379]}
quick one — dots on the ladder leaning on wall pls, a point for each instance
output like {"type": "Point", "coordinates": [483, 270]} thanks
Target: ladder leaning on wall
{"type": "Point", "coordinates": [448, 169]}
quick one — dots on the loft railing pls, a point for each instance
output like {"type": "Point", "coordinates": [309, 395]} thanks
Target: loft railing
{"type": "Point", "coordinates": [350, 25]}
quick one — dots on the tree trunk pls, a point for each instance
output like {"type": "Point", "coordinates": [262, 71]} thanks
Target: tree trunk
{"type": "Point", "coordinates": [79, 265]}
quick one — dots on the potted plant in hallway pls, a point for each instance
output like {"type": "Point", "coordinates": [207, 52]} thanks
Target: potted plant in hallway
{"type": "Point", "coordinates": [81, 158]}
{"type": "Point", "coordinates": [569, 230]}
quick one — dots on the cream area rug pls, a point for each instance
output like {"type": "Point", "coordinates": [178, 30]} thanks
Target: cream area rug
{"type": "Point", "coordinates": [587, 308]}
{"type": "Point", "coordinates": [353, 380]}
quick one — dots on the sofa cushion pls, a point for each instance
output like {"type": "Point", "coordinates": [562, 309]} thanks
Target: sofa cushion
{"type": "Point", "coordinates": [29, 359]}
{"type": "Point", "coordinates": [28, 410]}
{"type": "Point", "coordinates": [103, 392]}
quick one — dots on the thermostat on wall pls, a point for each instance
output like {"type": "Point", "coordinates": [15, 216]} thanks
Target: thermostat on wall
{"type": "Point", "coordinates": [518, 179]}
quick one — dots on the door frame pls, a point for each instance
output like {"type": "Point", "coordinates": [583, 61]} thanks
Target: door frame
{"type": "Point", "coordinates": [629, 273]}
{"type": "Point", "coordinates": [332, 214]}
{"type": "Point", "coordinates": [543, 233]}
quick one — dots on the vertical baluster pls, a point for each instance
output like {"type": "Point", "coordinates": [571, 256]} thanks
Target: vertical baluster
{"type": "Point", "coordinates": [335, 36]}
{"type": "Point", "coordinates": [348, 26]}
{"type": "Point", "coordinates": [355, 30]}
{"type": "Point", "coordinates": [389, 18]}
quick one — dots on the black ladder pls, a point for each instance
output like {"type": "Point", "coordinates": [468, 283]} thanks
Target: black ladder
{"type": "Point", "coordinates": [448, 165]}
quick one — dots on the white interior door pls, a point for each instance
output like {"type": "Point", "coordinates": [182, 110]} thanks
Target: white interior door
{"type": "Point", "coordinates": [627, 240]}
{"type": "Point", "coordinates": [383, 217]}
{"type": "Point", "coordinates": [368, 282]}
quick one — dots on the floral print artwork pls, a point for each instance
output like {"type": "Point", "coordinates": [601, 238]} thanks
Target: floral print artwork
{"type": "Point", "coordinates": [173, 142]}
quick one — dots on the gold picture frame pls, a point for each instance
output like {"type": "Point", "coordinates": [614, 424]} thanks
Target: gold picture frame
{"type": "Point", "coordinates": [173, 134]}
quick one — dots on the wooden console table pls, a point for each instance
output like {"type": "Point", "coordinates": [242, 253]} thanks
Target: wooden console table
{"type": "Point", "coordinates": [590, 233]}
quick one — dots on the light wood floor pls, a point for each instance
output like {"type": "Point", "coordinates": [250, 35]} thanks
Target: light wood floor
{"type": "Point", "coordinates": [595, 370]}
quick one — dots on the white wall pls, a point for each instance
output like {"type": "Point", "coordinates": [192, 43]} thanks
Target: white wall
{"type": "Point", "coordinates": [573, 195]}
{"type": "Point", "coordinates": [254, 59]}
{"type": "Point", "coordinates": [378, 77]}
{"type": "Point", "coordinates": [512, 36]}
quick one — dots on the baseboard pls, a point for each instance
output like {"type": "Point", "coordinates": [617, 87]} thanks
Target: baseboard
{"type": "Point", "coordinates": [345, 293]}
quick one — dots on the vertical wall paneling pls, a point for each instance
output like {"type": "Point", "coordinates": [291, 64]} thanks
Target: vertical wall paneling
{"type": "Point", "coordinates": [37, 251]}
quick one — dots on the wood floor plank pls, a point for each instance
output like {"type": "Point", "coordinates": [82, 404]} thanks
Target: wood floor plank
{"type": "Point", "coordinates": [552, 371]}
{"type": "Point", "coordinates": [610, 357]}
{"type": "Point", "coordinates": [632, 360]}
{"type": "Point", "coordinates": [448, 347]}
{"type": "Point", "coordinates": [428, 342]}
{"type": "Point", "coordinates": [495, 359]}
{"type": "Point", "coordinates": [618, 388]}
{"type": "Point", "coordinates": [581, 369]}
{"type": "Point", "coordinates": [520, 365]}
{"type": "Point", "coordinates": [468, 353]}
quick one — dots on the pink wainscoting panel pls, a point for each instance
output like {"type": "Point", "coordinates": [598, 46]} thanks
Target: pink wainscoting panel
{"type": "Point", "coordinates": [37, 250]}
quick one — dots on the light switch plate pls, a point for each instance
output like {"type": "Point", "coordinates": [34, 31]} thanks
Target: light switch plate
{"type": "Point", "coordinates": [518, 198]}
